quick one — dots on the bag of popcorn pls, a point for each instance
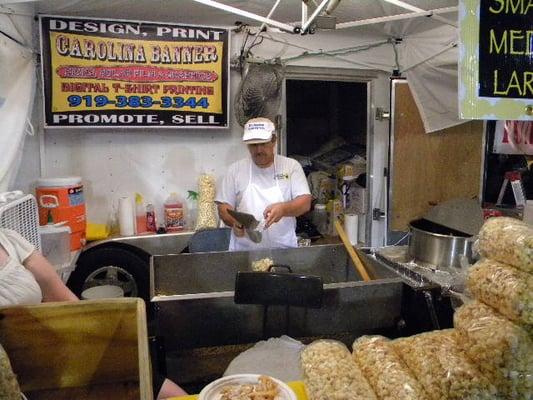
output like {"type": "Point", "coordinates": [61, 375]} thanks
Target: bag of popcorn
{"type": "Point", "coordinates": [385, 371]}
{"type": "Point", "coordinates": [507, 289]}
{"type": "Point", "coordinates": [330, 373]}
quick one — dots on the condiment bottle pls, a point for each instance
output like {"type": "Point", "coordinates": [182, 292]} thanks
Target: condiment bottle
{"type": "Point", "coordinates": [151, 225]}
{"type": "Point", "coordinates": [140, 215]}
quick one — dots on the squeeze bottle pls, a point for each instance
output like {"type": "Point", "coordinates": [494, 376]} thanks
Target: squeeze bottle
{"type": "Point", "coordinates": [151, 225]}
{"type": "Point", "coordinates": [140, 215]}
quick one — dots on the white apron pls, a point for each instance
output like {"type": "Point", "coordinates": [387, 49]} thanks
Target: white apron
{"type": "Point", "coordinates": [254, 201]}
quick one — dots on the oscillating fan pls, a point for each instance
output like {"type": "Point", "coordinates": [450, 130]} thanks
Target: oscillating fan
{"type": "Point", "coordinates": [19, 212]}
{"type": "Point", "coordinates": [259, 93]}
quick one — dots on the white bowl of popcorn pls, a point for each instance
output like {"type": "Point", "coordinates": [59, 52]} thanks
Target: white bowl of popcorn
{"type": "Point", "coordinates": [247, 387]}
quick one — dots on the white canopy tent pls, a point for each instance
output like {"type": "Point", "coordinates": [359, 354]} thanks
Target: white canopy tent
{"type": "Point", "coordinates": [415, 38]}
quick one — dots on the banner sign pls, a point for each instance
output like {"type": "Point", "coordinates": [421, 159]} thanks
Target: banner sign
{"type": "Point", "coordinates": [102, 73]}
{"type": "Point", "coordinates": [513, 137]}
{"type": "Point", "coordinates": [496, 59]}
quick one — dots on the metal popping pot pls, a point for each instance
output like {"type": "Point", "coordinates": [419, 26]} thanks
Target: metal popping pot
{"type": "Point", "coordinates": [438, 245]}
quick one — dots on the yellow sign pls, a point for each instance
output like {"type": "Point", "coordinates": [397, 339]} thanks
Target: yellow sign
{"type": "Point", "coordinates": [125, 73]}
{"type": "Point", "coordinates": [495, 59]}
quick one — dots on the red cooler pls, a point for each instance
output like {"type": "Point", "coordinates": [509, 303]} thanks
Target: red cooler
{"type": "Point", "coordinates": [62, 198]}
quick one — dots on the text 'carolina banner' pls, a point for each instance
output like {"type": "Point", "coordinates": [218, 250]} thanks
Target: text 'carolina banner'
{"type": "Point", "coordinates": [496, 59]}
{"type": "Point", "coordinates": [102, 73]}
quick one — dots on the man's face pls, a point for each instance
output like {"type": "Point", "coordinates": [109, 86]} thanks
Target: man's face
{"type": "Point", "coordinates": [263, 153]}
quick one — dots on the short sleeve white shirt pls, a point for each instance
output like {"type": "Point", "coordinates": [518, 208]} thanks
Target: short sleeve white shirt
{"type": "Point", "coordinates": [17, 284]}
{"type": "Point", "coordinates": [286, 172]}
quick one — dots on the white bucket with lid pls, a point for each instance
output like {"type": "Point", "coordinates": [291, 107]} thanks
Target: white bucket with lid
{"type": "Point", "coordinates": [55, 244]}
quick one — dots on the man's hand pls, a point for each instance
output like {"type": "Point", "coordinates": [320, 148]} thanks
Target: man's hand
{"type": "Point", "coordinates": [273, 213]}
{"type": "Point", "coordinates": [294, 208]}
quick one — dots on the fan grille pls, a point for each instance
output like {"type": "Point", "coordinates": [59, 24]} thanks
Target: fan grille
{"type": "Point", "coordinates": [21, 215]}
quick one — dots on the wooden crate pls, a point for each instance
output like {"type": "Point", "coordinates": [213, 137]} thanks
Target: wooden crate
{"type": "Point", "coordinates": [95, 349]}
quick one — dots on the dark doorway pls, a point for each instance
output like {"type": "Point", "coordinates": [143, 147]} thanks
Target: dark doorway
{"type": "Point", "coordinates": [325, 116]}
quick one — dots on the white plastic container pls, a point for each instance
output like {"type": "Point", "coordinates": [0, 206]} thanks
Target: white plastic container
{"type": "Point", "coordinates": [126, 216]}
{"type": "Point", "coordinates": [320, 218]}
{"type": "Point", "coordinates": [55, 244]}
{"type": "Point", "coordinates": [351, 226]}
{"type": "Point", "coordinates": [528, 212]}
{"type": "Point", "coordinates": [102, 292]}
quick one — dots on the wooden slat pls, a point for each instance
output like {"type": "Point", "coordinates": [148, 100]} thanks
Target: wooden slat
{"type": "Point", "coordinates": [70, 345]}
{"type": "Point", "coordinates": [430, 168]}
{"type": "Point", "coordinates": [359, 266]}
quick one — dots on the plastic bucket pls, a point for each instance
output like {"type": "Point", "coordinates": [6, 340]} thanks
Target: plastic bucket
{"type": "Point", "coordinates": [55, 244]}
{"type": "Point", "coordinates": [102, 292]}
{"type": "Point", "coordinates": [63, 199]}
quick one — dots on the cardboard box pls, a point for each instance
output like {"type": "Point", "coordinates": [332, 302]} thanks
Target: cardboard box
{"type": "Point", "coordinates": [94, 349]}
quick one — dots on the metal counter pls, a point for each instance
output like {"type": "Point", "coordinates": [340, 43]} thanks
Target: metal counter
{"type": "Point", "coordinates": [194, 307]}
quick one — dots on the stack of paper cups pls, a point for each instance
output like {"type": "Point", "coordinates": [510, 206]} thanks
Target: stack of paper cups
{"type": "Point", "coordinates": [528, 212]}
{"type": "Point", "coordinates": [125, 216]}
{"type": "Point", "coordinates": [362, 228]}
{"type": "Point", "coordinates": [351, 226]}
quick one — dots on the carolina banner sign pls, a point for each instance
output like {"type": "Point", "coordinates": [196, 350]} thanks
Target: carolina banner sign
{"type": "Point", "coordinates": [496, 59]}
{"type": "Point", "coordinates": [101, 73]}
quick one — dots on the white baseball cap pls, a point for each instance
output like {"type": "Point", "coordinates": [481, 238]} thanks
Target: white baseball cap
{"type": "Point", "coordinates": [258, 130]}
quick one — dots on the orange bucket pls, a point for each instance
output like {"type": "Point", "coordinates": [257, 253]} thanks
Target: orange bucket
{"type": "Point", "coordinates": [62, 198]}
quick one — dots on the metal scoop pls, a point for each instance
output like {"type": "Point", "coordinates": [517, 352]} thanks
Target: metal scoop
{"type": "Point", "coordinates": [253, 227]}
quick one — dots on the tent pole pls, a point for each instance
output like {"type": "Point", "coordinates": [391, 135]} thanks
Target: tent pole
{"type": "Point", "coordinates": [397, 17]}
{"type": "Point", "coordinates": [264, 24]}
{"type": "Point", "coordinates": [410, 7]}
{"type": "Point", "coordinates": [234, 10]}
{"type": "Point", "coordinates": [313, 16]}
{"type": "Point", "coordinates": [305, 12]}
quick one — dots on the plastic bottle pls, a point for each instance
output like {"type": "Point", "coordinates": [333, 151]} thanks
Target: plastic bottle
{"type": "Point", "coordinates": [192, 209]}
{"type": "Point", "coordinates": [528, 212]}
{"type": "Point", "coordinates": [320, 218]}
{"type": "Point", "coordinates": [140, 215]}
{"type": "Point", "coordinates": [151, 225]}
{"type": "Point", "coordinates": [174, 215]}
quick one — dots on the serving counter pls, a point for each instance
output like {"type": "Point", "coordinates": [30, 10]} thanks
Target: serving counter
{"type": "Point", "coordinates": [202, 328]}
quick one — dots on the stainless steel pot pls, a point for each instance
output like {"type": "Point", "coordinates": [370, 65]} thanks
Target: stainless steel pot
{"type": "Point", "coordinates": [437, 245]}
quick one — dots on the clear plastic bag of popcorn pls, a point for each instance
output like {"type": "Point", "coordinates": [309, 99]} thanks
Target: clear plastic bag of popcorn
{"type": "Point", "coordinates": [207, 213]}
{"type": "Point", "coordinates": [509, 241]}
{"type": "Point", "coordinates": [385, 371]}
{"type": "Point", "coordinates": [330, 373]}
{"type": "Point", "coordinates": [207, 217]}
{"type": "Point", "coordinates": [442, 368]}
{"type": "Point", "coordinates": [206, 188]}
{"type": "Point", "coordinates": [502, 349]}
{"type": "Point", "coordinates": [507, 289]}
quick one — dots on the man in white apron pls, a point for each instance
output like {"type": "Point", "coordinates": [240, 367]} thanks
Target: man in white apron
{"type": "Point", "coordinates": [267, 185]}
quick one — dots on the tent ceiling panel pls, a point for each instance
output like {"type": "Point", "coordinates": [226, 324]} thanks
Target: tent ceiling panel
{"type": "Point", "coordinates": [189, 11]}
